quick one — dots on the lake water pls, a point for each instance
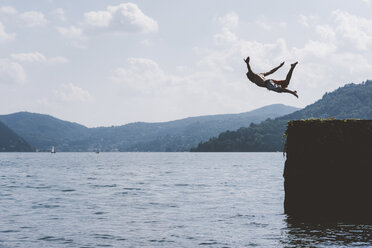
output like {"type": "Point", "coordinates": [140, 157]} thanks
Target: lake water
{"type": "Point", "coordinates": [155, 200]}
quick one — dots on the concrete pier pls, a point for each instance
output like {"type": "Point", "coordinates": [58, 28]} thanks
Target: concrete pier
{"type": "Point", "coordinates": [328, 170]}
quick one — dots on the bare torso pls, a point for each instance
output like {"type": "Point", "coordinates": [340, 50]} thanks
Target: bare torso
{"type": "Point", "coordinates": [257, 78]}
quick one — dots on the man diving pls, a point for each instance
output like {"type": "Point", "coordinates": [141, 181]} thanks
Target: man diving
{"type": "Point", "coordinates": [278, 86]}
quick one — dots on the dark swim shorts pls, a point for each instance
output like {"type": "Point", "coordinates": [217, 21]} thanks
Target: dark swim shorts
{"type": "Point", "coordinates": [270, 85]}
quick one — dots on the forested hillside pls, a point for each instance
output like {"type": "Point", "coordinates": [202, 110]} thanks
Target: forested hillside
{"type": "Point", "coordinates": [11, 142]}
{"type": "Point", "coordinates": [350, 101]}
{"type": "Point", "coordinates": [44, 131]}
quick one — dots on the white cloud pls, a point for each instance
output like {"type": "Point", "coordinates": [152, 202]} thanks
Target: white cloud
{"type": "Point", "coordinates": [29, 19]}
{"type": "Point", "coordinates": [263, 24]}
{"type": "Point", "coordinates": [37, 57]}
{"type": "Point", "coordinates": [325, 31]}
{"type": "Point", "coordinates": [98, 18]}
{"type": "Point", "coordinates": [352, 64]}
{"type": "Point", "coordinates": [4, 36]}
{"type": "Point", "coordinates": [143, 75]}
{"type": "Point", "coordinates": [72, 93]}
{"type": "Point", "coordinates": [59, 60]}
{"type": "Point", "coordinates": [71, 32]}
{"type": "Point", "coordinates": [315, 49]}
{"type": "Point", "coordinates": [11, 72]}
{"type": "Point", "coordinates": [308, 21]}
{"type": "Point", "coordinates": [33, 19]}
{"type": "Point", "coordinates": [303, 20]}
{"type": "Point", "coordinates": [229, 21]}
{"type": "Point", "coordinates": [75, 34]}
{"type": "Point", "coordinates": [186, 92]}
{"type": "Point", "coordinates": [8, 10]}
{"type": "Point", "coordinates": [128, 17]}
{"type": "Point", "coordinates": [367, 1]}
{"type": "Point", "coordinates": [122, 18]}
{"type": "Point", "coordinates": [226, 36]}
{"type": "Point", "coordinates": [356, 29]}
{"type": "Point", "coordinates": [29, 57]}
{"type": "Point", "coordinates": [59, 14]}
{"type": "Point", "coordinates": [268, 25]}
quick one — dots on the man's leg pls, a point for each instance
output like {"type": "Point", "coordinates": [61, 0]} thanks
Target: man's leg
{"type": "Point", "coordinates": [284, 83]}
{"type": "Point", "coordinates": [247, 62]}
{"type": "Point", "coordinates": [289, 75]}
{"type": "Point", "coordinates": [271, 86]}
{"type": "Point", "coordinates": [290, 92]}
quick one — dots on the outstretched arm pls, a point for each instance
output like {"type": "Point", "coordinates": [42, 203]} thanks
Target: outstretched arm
{"type": "Point", "coordinates": [273, 70]}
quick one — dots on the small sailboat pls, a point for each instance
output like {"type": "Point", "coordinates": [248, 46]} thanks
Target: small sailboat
{"type": "Point", "coordinates": [53, 150]}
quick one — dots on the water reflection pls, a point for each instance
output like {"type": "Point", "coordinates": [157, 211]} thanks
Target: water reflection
{"type": "Point", "coordinates": [300, 234]}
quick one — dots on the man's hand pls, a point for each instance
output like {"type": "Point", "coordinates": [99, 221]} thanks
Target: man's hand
{"type": "Point", "coordinates": [246, 60]}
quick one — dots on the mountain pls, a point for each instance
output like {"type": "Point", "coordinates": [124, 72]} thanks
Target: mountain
{"type": "Point", "coordinates": [11, 142]}
{"type": "Point", "coordinates": [43, 131]}
{"type": "Point", "coordinates": [350, 101]}
{"type": "Point", "coordinates": [179, 135]}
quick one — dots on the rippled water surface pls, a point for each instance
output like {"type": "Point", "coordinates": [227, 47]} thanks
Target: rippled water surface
{"type": "Point", "coordinates": [154, 200]}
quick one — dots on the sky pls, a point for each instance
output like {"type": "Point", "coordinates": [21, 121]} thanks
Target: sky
{"type": "Point", "coordinates": [109, 62]}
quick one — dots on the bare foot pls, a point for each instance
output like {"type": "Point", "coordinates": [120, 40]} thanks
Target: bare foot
{"type": "Point", "coordinates": [295, 94]}
{"type": "Point", "coordinates": [294, 64]}
{"type": "Point", "coordinates": [247, 60]}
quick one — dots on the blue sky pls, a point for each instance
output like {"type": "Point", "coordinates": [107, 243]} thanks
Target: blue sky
{"type": "Point", "coordinates": [102, 63]}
